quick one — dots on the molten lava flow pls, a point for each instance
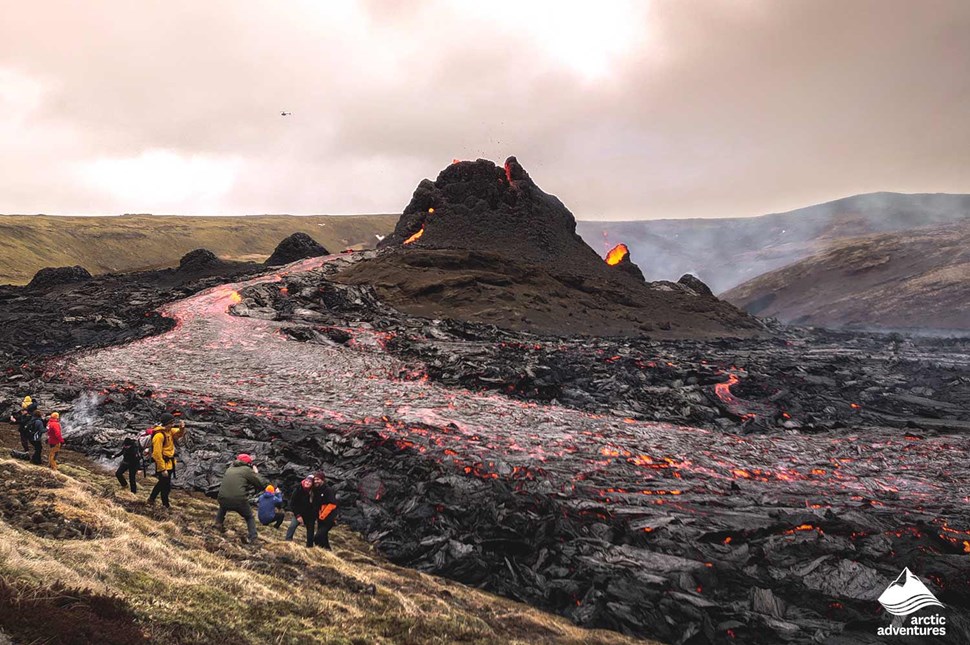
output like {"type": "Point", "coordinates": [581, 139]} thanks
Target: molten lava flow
{"type": "Point", "coordinates": [723, 390]}
{"type": "Point", "coordinates": [616, 254]}
{"type": "Point", "coordinates": [235, 297]}
{"type": "Point", "coordinates": [508, 171]}
{"type": "Point", "coordinates": [415, 237]}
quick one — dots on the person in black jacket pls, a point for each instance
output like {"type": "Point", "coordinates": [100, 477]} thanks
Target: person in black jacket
{"type": "Point", "coordinates": [130, 454]}
{"type": "Point", "coordinates": [323, 501]}
{"type": "Point", "coordinates": [302, 511]}
{"type": "Point", "coordinates": [23, 419]}
{"type": "Point", "coordinates": [37, 430]}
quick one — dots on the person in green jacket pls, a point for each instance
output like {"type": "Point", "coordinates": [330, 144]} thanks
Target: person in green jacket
{"type": "Point", "coordinates": [241, 476]}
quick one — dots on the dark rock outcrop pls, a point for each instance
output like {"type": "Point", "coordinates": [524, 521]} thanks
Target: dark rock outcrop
{"type": "Point", "coordinates": [298, 246]}
{"type": "Point", "coordinates": [695, 284]}
{"type": "Point", "coordinates": [199, 260]}
{"type": "Point", "coordinates": [479, 206]}
{"type": "Point", "coordinates": [57, 276]}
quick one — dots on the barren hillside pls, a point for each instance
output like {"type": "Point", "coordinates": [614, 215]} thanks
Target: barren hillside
{"type": "Point", "coordinates": [918, 279]}
{"type": "Point", "coordinates": [724, 252]}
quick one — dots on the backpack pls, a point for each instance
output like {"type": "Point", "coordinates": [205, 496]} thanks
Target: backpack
{"type": "Point", "coordinates": [38, 429]}
{"type": "Point", "coordinates": [145, 444]}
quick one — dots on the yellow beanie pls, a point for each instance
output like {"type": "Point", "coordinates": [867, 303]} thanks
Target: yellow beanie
{"type": "Point", "coordinates": [27, 402]}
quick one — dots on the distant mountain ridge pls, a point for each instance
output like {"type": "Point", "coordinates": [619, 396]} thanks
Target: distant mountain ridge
{"type": "Point", "coordinates": [126, 243]}
{"type": "Point", "coordinates": [726, 252]}
{"type": "Point", "coordinates": [906, 280]}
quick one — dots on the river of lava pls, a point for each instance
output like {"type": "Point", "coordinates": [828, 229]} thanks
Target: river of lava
{"type": "Point", "coordinates": [248, 365]}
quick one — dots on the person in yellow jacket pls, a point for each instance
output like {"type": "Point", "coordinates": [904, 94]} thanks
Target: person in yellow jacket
{"type": "Point", "coordinates": [163, 454]}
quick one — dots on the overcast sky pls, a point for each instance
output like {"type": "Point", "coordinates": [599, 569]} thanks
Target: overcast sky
{"type": "Point", "coordinates": [625, 110]}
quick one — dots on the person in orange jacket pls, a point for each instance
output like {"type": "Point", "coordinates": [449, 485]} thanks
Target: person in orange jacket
{"type": "Point", "coordinates": [54, 439]}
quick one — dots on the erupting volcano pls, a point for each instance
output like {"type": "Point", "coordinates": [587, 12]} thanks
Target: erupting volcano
{"type": "Point", "coordinates": [483, 242]}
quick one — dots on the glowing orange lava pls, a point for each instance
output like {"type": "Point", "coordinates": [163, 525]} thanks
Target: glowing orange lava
{"type": "Point", "coordinates": [415, 237]}
{"type": "Point", "coordinates": [235, 297]}
{"type": "Point", "coordinates": [616, 254]}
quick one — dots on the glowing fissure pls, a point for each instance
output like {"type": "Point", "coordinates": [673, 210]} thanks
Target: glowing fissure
{"type": "Point", "coordinates": [616, 254]}
{"type": "Point", "coordinates": [415, 237]}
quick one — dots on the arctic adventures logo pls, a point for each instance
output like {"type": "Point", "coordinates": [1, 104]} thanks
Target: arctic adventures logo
{"type": "Point", "coordinates": [906, 595]}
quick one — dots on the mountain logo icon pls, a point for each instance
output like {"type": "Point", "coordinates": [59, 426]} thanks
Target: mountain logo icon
{"type": "Point", "coordinates": [907, 594]}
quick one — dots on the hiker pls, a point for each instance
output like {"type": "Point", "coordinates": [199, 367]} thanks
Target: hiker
{"type": "Point", "coordinates": [269, 507]}
{"type": "Point", "coordinates": [22, 419]}
{"type": "Point", "coordinates": [324, 502]}
{"type": "Point", "coordinates": [302, 512]}
{"type": "Point", "coordinates": [131, 458]}
{"type": "Point", "coordinates": [163, 454]}
{"type": "Point", "coordinates": [54, 439]}
{"type": "Point", "coordinates": [233, 496]}
{"type": "Point", "coordinates": [36, 432]}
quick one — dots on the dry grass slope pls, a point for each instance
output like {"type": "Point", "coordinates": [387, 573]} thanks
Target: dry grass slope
{"type": "Point", "coordinates": [135, 574]}
{"type": "Point", "coordinates": [29, 243]}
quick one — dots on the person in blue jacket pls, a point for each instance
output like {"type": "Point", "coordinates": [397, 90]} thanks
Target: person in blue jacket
{"type": "Point", "coordinates": [270, 505]}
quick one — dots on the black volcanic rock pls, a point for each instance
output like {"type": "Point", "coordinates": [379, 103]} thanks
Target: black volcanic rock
{"type": "Point", "coordinates": [479, 206]}
{"type": "Point", "coordinates": [56, 276]}
{"type": "Point", "coordinates": [199, 260]}
{"type": "Point", "coordinates": [695, 284]}
{"type": "Point", "coordinates": [298, 246]}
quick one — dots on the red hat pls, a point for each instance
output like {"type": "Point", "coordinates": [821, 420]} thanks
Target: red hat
{"type": "Point", "coordinates": [246, 459]}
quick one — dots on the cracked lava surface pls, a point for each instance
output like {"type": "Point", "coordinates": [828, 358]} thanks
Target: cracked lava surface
{"type": "Point", "coordinates": [625, 467]}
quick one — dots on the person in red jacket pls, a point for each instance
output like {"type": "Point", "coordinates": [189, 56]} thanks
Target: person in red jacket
{"type": "Point", "coordinates": [54, 438]}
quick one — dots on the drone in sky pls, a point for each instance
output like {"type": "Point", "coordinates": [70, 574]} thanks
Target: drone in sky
{"type": "Point", "coordinates": [285, 113]}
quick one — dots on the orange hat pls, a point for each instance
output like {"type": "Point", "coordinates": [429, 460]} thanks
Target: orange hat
{"type": "Point", "coordinates": [270, 489]}
{"type": "Point", "coordinates": [55, 415]}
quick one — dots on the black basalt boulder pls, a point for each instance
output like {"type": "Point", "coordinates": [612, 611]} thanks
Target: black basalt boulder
{"type": "Point", "coordinates": [199, 260]}
{"type": "Point", "coordinates": [696, 285]}
{"type": "Point", "coordinates": [56, 276]}
{"type": "Point", "coordinates": [298, 246]}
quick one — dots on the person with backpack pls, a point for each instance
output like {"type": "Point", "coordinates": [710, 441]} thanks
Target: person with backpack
{"type": "Point", "coordinates": [22, 419]}
{"type": "Point", "coordinates": [241, 476]}
{"type": "Point", "coordinates": [131, 462]}
{"type": "Point", "coordinates": [269, 507]}
{"type": "Point", "coordinates": [37, 429]}
{"type": "Point", "coordinates": [54, 439]}
{"type": "Point", "coordinates": [324, 502]}
{"type": "Point", "coordinates": [302, 511]}
{"type": "Point", "coordinates": [163, 454]}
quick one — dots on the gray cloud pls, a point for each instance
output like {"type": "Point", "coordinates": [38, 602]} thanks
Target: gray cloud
{"type": "Point", "coordinates": [627, 110]}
